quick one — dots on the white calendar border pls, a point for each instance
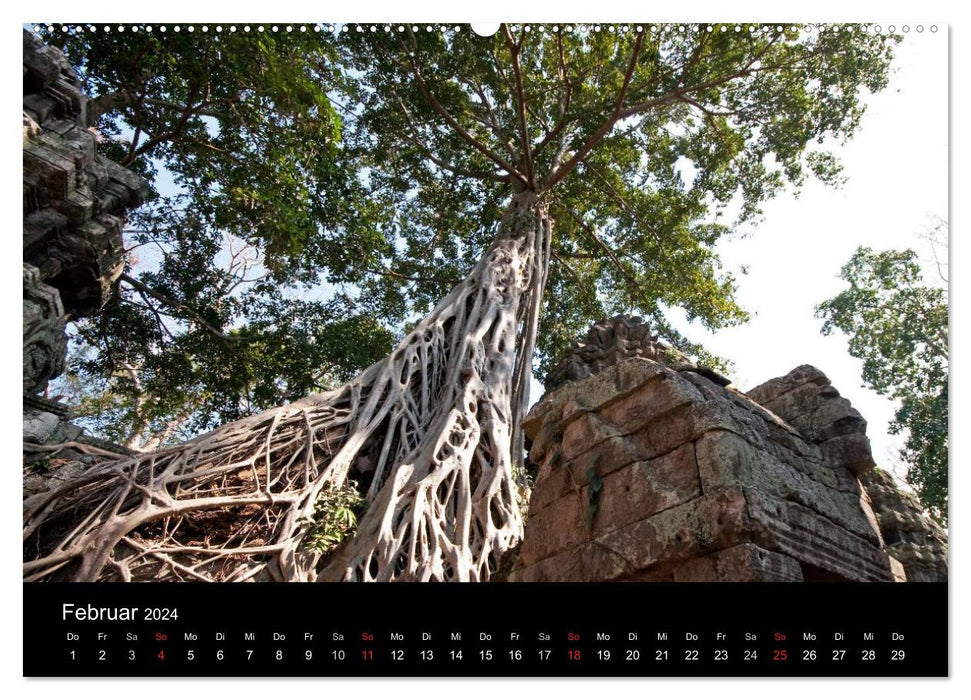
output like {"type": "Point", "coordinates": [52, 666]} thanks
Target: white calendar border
{"type": "Point", "coordinates": [538, 11]}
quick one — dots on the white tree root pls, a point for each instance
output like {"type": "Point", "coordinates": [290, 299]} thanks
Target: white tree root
{"type": "Point", "coordinates": [431, 433]}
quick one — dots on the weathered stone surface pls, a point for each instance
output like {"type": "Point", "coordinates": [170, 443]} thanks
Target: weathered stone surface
{"type": "Point", "coordinates": [45, 343]}
{"type": "Point", "coordinates": [642, 489]}
{"type": "Point", "coordinates": [806, 400]}
{"type": "Point", "coordinates": [605, 343]}
{"type": "Point", "coordinates": [703, 525]}
{"type": "Point", "coordinates": [649, 473]}
{"type": "Point", "coordinates": [625, 400]}
{"type": "Point", "coordinates": [560, 525]}
{"type": "Point", "coordinates": [646, 488]}
{"type": "Point", "coordinates": [586, 432]}
{"type": "Point", "coordinates": [802, 533]}
{"type": "Point", "coordinates": [899, 573]}
{"type": "Point", "coordinates": [611, 341]}
{"type": "Point", "coordinates": [801, 375]}
{"type": "Point", "coordinates": [39, 425]}
{"type": "Point", "coordinates": [664, 395]}
{"type": "Point", "coordinates": [560, 476]}
{"type": "Point", "coordinates": [911, 536]}
{"type": "Point", "coordinates": [851, 451]}
{"type": "Point", "coordinates": [74, 204]}
{"type": "Point", "coordinates": [556, 409]}
{"type": "Point", "coordinates": [725, 459]}
{"type": "Point", "coordinates": [744, 562]}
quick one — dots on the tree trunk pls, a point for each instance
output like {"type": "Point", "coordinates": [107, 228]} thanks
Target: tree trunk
{"type": "Point", "coordinates": [431, 433]}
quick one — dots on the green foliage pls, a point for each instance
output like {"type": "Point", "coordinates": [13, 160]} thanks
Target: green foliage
{"type": "Point", "coordinates": [41, 466]}
{"type": "Point", "coordinates": [898, 326]}
{"type": "Point", "coordinates": [369, 171]}
{"type": "Point", "coordinates": [335, 518]}
{"type": "Point", "coordinates": [670, 356]}
{"type": "Point", "coordinates": [221, 311]}
{"type": "Point", "coordinates": [138, 383]}
{"type": "Point", "coordinates": [698, 123]}
{"type": "Point", "coordinates": [242, 124]}
{"type": "Point", "coordinates": [206, 337]}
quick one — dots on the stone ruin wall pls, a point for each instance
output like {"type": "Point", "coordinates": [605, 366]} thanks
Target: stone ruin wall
{"type": "Point", "coordinates": [74, 206]}
{"type": "Point", "coordinates": [651, 469]}
{"type": "Point", "coordinates": [911, 537]}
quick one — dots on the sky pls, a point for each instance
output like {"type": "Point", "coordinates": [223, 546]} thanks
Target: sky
{"type": "Point", "coordinates": [897, 187]}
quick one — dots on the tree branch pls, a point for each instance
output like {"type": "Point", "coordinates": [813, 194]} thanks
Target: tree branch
{"type": "Point", "coordinates": [456, 127]}
{"type": "Point", "coordinates": [464, 172]}
{"type": "Point", "coordinates": [493, 121]}
{"type": "Point", "coordinates": [187, 113]}
{"type": "Point", "coordinates": [168, 301]}
{"type": "Point", "coordinates": [521, 102]}
{"type": "Point", "coordinates": [598, 136]}
{"type": "Point", "coordinates": [600, 242]}
{"type": "Point", "coordinates": [564, 102]}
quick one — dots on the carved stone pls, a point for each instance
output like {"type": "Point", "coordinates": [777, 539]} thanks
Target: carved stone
{"type": "Point", "coordinates": [650, 472]}
{"type": "Point", "coordinates": [808, 402]}
{"type": "Point", "coordinates": [611, 340]}
{"type": "Point", "coordinates": [45, 344]}
{"type": "Point", "coordinates": [911, 537]}
{"type": "Point", "coordinates": [74, 201]}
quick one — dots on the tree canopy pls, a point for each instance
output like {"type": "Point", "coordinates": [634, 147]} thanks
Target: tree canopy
{"type": "Point", "coordinates": [215, 317]}
{"type": "Point", "coordinates": [897, 324]}
{"type": "Point", "coordinates": [644, 142]}
{"type": "Point", "coordinates": [318, 191]}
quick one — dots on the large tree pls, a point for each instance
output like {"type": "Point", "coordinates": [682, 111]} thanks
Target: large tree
{"type": "Point", "coordinates": [537, 174]}
{"type": "Point", "coordinates": [897, 325]}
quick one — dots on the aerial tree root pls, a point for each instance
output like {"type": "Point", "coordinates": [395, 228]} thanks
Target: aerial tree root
{"type": "Point", "coordinates": [430, 436]}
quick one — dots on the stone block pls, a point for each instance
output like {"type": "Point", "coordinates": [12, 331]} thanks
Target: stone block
{"type": "Point", "coordinates": [911, 537]}
{"type": "Point", "coordinates": [799, 401]}
{"type": "Point", "coordinates": [586, 432]}
{"type": "Point", "coordinates": [803, 534]}
{"type": "Point", "coordinates": [899, 573]}
{"type": "Point", "coordinates": [651, 401]}
{"type": "Point", "coordinates": [643, 489]}
{"type": "Point", "coordinates": [725, 459]}
{"type": "Point", "coordinates": [39, 426]}
{"type": "Point", "coordinates": [744, 562]}
{"type": "Point", "coordinates": [55, 171]}
{"type": "Point", "coordinates": [705, 524]}
{"type": "Point", "coordinates": [568, 565]}
{"type": "Point", "coordinates": [702, 483]}
{"type": "Point", "coordinates": [559, 516]}
{"type": "Point", "coordinates": [684, 424]}
{"type": "Point", "coordinates": [43, 106]}
{"type": "Point", "coordinates": [803, 374]}
{"type": "Point", "coordinates": [557, 526]}
{"type": "Point", "coordinates": [832, 418]}
{"type": "Point", "coordinates": [558, 476]}
{"type": "Point", "coordinates": [44, 340]}
{"type": "Point", "coordinates": [695, 528]}
{"type": "Point", "coordinates": [849, 451]}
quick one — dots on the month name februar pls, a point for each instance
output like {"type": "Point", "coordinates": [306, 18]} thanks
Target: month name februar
{"type": "Point", "coordinates": [83, 613]}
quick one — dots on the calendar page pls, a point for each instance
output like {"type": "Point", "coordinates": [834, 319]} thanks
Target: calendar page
{"type": "Point", "coordinates": [637, 332]}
